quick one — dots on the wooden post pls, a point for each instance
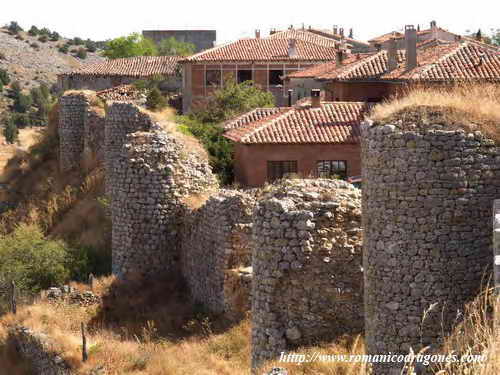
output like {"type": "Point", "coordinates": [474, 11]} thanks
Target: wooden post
{"type": "Point", "coordinates": [85, 355]}
{"type": "Point", "coordinates": [13, 297]}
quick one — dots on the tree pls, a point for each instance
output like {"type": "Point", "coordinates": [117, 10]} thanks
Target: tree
{"type": "Point", "coordinates": [155, 100]}
{"type": "Point", "coordinates": [14, 27]}
{"type": "Point", "coordinates": [234, 99]}
{"type": "Point", "coordinates": [90, 45]}
{"type": "Point", "coordinates": [130, 46]}
{"type": "Point", "coordinates": [54, 36]}
{"type": "Point", "coordinates": [45, 31]}
{"type": "Point", "coordinates": [10, 131]}
{"type": "Point", "coordinates": [173, 47]}
{"type": "Point", "coordinates": [78, 41]}
{"type": "Point", "coordinates": [22, 103]}
{"type": "Point", "coordinates": [34, 31]}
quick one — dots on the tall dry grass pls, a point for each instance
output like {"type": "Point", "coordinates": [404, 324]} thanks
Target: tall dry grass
{"type": "Point", "coordinates": [470, 107]}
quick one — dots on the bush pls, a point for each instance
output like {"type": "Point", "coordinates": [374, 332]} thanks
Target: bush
{"type": "Point", "coordinates": [4, 77]}
{"type": "Point", "coordinates": [1, 86]}
{"type": "Point", "coordinates": [81, 53]}
{"type": "Point", "coordinates": [130, 46]}
{"type": "Point", "coordinates": [32, 261]}
{"type": "Point", "coordinates": [54, 37]}
{"type": "Point", "coordinates": [78, 41]}
{"type": "Point", "coordinates": [23, 102]}
{"type": "Point", "coordinates": [90, 45]}
{"type": "Point", "coordinates": [14, 27]}
{"type": "Point", "coordinates": [16, 88]}
{"type": "Point", "coordinates": [64, 48]}
{"type": "Point", "coordinates": [45, 31]}
{"type": "Point", "coordinates": [34, 31]}
{"type": "Point", "coordinates": [10, 131]}
{"type": "Point", "coordinates": [43, 38]}
{"type": "Point", "coordinates": [21, 120]}
{"type": "Point", "coordinates": [155, 100]}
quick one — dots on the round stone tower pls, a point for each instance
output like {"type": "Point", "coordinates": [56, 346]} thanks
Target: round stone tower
{"type": "Point", "coordinates": [427, 206]}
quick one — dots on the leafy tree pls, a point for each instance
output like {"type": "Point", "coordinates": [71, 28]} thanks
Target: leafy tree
{"type": "Point", "coordinates": [90, 45]}
{"type": "Point", "coordinates": [173, 47]}
{"type": "Point", "coordinates": [234, 99]}
{"type": "Point", "coordinates": [10, 131]}
{"type": "Point", "coordinates": [155, 100]}
{"type": "Point", "coordinates": [22, 103]}
{"type": "Point", "coordinates": [78, 41]}
{"type": "Point", "coordinates": [14, 27]}
{"type": "Point", "coordinates": [130, 46]}
{"type": "Point", "coordinates": [4, 77]}
{"type": "Point", "coordinates": [54, 36]}
{"type": "Point", "coordinates": [81, 53]}
{"type": "Point", "coordinates": [45, 31]}
{"type": "Point", "coordinates": [34, 31]}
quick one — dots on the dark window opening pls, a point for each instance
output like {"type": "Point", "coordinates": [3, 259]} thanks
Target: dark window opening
{"type": "Point", "coordinates": [280, 169]}
{"type": "Point", "coordinates": [213, 77]}
{"type": "Point", "coordinates": [332, 168]}
{"type": "Point", "coordinates": [373, 100]}
{"type": "Point", "coordinates": [275, 77]}
{"type": "Point", "coordinates": [244, 75]}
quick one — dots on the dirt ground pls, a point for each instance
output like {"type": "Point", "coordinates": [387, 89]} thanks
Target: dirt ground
{"type": "Point", "coordinates": [27, 137]}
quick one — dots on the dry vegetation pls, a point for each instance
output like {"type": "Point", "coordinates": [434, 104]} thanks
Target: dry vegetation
{"type": "Point", "coordinates": [467, 107]}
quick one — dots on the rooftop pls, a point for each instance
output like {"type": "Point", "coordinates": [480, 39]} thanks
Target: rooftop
{"type": "Point", "coordinates": [143, 66]}
{"type": "Point", "coordinates": [331, 123]}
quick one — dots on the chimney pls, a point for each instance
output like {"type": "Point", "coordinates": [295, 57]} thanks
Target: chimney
{"type": "Point", "coordinates": [434, 29]}
{"type": "Point", "coordinates": [257, 34]}
{"type": "Point", "coordinates": [339, 57]}
{"type": "Point", "coordinates": [411, 47]}
{"type": "Point", "coordinates": [273, 31]}
{"type": "Point", "coordinates": [290, 94]}
{"type": "Point", "coordinates": [351, 34]}
{"type": "Point", "coordinates": [392, 55]}
{"type": "Point", "coordinates": [292, 48]}
{"type": "Point", "coordinates": [335, 29]}
{"type": "Point", "coordinates": [315, 98]}
{"type": "Point", "coordinates": [433, 25]}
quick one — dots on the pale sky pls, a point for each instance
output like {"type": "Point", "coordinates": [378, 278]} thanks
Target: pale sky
{"type": "Point", "coordinates": [105, 19]}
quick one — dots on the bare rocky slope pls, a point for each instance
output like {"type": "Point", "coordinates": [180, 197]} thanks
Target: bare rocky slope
{"type": "Point", "coordinates": [32, 62]}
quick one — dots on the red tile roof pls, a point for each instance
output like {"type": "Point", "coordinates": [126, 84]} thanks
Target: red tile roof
{"type": "Point", "coordinates": [386, 37]}
{"type": "Point", "coordinates": [466, 61]}
{"type": "Point", "coordinates": [332, 123]}
{"type": "Point", "coordinates": [306, 36]}
{"type": "Point", "coordinates": [437, 61]}
{"type": "Point", "coordinates": [273, 49]}
{"type": "Point", "coordinates": [252, 116]}
{"type": "Point", "coordinates": [143, 66]}
{"type": "Point", "coordinates": [331, 34]}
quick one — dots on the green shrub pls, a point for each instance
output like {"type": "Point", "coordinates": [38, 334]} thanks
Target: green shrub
{"type": "Point", "coordinates": [21, 120]}
{"type": "Point", "coordinates": [130, 46]}
{"type": "Point", "coordinates": [81, 53]}
{"type": "Point", "coordinates": [1, 86]}
{"type": "Point", "coordinates": [54, 36]}
{"type": "Point", "coordinates": [90, 45]}
{"type": "Point", "coordinates": [45, 31]}
{"type": "Point", "coordinates": [4, 77]}
{"type": "Point", "coordinates": [88, 259]}
{"type": "Point", "coordinates": [22, 103]}
{"type": "Point", "coordinates": [14, 27]}
{"type": "Point", "coordinates": [64, 48]}
{"type": "Point", "coordinates": [43, 38]}
{"type": "Point", "coordinates": [234, 99]}
{"type": "Point", "coordinates": [155, 100]}
{"type": "Point", "coordinates": [10, 130]}
{"type": "Point", "coordinates": [34, 31]}
{"type": "Point", "coordinates": [78, 41]}
{"type": "Point", "coordinates": [32, 261]}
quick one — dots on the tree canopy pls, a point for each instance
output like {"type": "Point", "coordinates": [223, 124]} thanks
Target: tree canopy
{"type": "Point", "coordinates": [130, 46]}
{"type": "Point", "coordinates": [173, 47]}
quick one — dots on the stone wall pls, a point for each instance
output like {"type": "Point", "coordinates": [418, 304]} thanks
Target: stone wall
{"type": "Point", "coordinates": [152, 174]}
{"type": "Point", "coordinates": [72, 111]}
{"type": "Point", "coordinates": [39, 351]}
{"type": "Point", "coordinates": [93, 140]}
{"type": "Point", "coordinates": [216, 251]}
{"type": "Point", "coordinates": [307, 274]}
{"type": "Point", "coordinates": [427, 202]}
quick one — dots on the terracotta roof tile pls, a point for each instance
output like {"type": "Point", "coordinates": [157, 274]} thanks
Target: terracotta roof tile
{"type": "Point", "coordinates": [306, 36]}
{"type": "Point", "coordinates": [321, 69]}
{"type": "Point", "coordinates": [143, 66]}
{"type": "Point", "coordinates": [331, 34]}
{"type": "Point", "coordinates": [336, 122]}
{"type": "Point", "coordinates": [269, 49]}
{"type": "Point", "coordinates": [386, 37]}
{"type": "Point", "coordinates": [252, 116]}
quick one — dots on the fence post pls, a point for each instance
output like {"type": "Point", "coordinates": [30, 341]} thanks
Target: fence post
{"type": "Point", "coordinates": [13, 297]}
{"type": "Point", "coordinates": [85, 355]}
{"type": "Point", "coordinates": [496, 262]}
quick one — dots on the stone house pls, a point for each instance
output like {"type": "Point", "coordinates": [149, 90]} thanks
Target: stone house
{"type": "Point", "coordinates": [318, 140]}
{"type": "Point", "coordinates": [116, 72]}
{"type": "Point", "coordinates": [375, 76]}
{"type": "Point", "coordinates": [262, 60]}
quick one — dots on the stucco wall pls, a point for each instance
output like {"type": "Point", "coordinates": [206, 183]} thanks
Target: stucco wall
{"type": "Point", "coordinates": [251, 160]}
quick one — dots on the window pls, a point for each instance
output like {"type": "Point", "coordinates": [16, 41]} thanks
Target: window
{"type": "Point", "coordinates": [213, 78]}
{"type": "Point", "coordinates": [275, 77]}
{"type": "Point", "coordinates": [244, 75]}
{"type": "Point", "coordinates": [280, 169]}
{"type": "Point", "coordinates": [332, 168]}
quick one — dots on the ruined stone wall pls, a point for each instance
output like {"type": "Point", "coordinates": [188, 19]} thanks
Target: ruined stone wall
{"type": "Point", "coordinates": [39, 351]}
{"type": "Point", "coordinates": [427, 202]}
{"type": "Point", "coordinates": [216, 250]}
{"type": "Point", "coordinates": [152, 174]}
{"type": "Point", "coordinates": [93, 140]}
{"type": "Point", "coordinates": [307, 274]}
{"type": "Point", "coordinates": [72, 112]}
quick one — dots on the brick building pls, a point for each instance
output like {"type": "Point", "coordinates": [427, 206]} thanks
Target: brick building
{"type": "Point", "coordinates": [116, 72]}
{"type": "Point", "coordinates": [320, 140]}
{"type": "Point", "coordinates": [262, 60]}
{"type": "Point", "coordinates": [375, 76]}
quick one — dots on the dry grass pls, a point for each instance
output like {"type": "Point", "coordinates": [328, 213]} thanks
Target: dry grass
{"type": "Point", "coordinates": [467, 107]}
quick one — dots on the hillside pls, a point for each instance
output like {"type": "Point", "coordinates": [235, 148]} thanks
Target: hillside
{"type": "Point", "coordinates": [32, 62]}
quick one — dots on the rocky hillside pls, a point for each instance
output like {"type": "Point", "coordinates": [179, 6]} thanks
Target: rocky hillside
{"type": "Point", "coordinates": [32, 62]}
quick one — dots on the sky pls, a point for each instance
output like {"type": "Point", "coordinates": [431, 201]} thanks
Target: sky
{"type": "Point", "coordinates": [107, 19]}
